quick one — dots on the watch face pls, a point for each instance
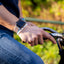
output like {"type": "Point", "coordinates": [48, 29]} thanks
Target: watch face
{"type": "Point", "coordinates": [20, 23]}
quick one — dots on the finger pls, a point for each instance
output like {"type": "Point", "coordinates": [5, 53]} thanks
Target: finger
{"type": "Point", "coordinates": [35, 38]}
{"type": "Point", "coordinates": [52, 39]}
{"type": "Point", "coordinates": [30, 40]}
{"type": "Point", "coordinates": [36, 41]}
{"type": "Point", "coordinates": [40, 39]}
{"type": "Point", "coordinates": [23, 38]}
{"type": "Point", "coordinates": [48, 36]}
{"type": "Point", "coordinates": [31, 43]}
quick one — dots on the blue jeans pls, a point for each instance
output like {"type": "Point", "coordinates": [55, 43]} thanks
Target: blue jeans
{"type": "Point", "coordinates": [13, 52]}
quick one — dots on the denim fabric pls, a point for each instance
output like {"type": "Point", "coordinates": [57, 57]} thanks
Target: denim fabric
{"type": "Point", "coordinates": [12, 52]}
{"type": "Point", "coordinates": [2, 28]}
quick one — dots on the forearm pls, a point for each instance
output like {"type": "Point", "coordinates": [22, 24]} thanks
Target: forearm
{"type": "Point", "coordinates": [20, 8]}
{"type": "Point", "coordinates": [8, 17]}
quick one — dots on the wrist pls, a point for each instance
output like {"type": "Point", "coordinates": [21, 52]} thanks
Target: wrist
{"type": "Point", "coordinates": [20, 30]}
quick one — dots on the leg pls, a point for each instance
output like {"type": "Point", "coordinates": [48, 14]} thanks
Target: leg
{"type": "Point", "coordinates": [12, 52]}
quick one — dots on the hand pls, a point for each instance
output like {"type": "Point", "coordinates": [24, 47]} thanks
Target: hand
{"type": "Point", "coordinates": [30, 24]}
{"type": "Point", "coordinates": [34, 35]}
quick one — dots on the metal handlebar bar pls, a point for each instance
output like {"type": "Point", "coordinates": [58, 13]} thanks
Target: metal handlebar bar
{"type": "Point", "coordinates": [49, 29]}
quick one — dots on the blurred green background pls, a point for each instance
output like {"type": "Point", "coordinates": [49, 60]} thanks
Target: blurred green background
{"type": "Point", "coordinates": [47, 10]}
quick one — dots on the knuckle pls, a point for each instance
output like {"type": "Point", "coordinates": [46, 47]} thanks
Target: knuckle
{"type": "Point", "coordinates": [39, 34]}
{"type": "Point", "coordinates": [30, 40]}
{"type": "Point", "coordinates": [49, 36]}
{"type": "Point", "coordinates": [28, 33]}
{"type": "Point", "coordinates": [41, 30]}
{"type": "Point", "coordinates": [35, 37]}
{"type": "Point", "coordinates": [23, 38]}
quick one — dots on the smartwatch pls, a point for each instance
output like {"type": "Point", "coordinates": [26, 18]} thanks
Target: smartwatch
{"type": "Point", "coordinates": [20, 24]}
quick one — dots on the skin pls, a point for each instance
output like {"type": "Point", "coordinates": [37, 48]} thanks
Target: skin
{"type": "Point", "coordinates": [31, 34]}
{"type": "Point", "coordinates": [34, 35]}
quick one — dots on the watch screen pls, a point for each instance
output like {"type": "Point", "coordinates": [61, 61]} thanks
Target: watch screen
{"type": "Point", "coordinates": [20, 23]}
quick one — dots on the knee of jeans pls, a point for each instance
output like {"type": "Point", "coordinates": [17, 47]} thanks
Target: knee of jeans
{"type": "Point", "coordinates": [37, 60]}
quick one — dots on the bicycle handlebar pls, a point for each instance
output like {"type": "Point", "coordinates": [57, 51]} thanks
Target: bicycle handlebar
{"type": "Point", "coordinates": [58, 36]}
{"type": "Point", "coordinates": [60, 42]}
{"type": "Point", "coordinates": [54, 33]}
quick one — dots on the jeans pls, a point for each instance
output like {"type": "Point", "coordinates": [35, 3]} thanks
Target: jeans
{"type": "Point", "coordinates": [13, 52]}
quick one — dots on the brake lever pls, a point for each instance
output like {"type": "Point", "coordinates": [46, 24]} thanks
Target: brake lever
{"type": "Point", "coordinates": [57, 35]}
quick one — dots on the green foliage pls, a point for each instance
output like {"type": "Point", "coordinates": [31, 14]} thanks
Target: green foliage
{"type": "Point", "coordinates": [44, 9]}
